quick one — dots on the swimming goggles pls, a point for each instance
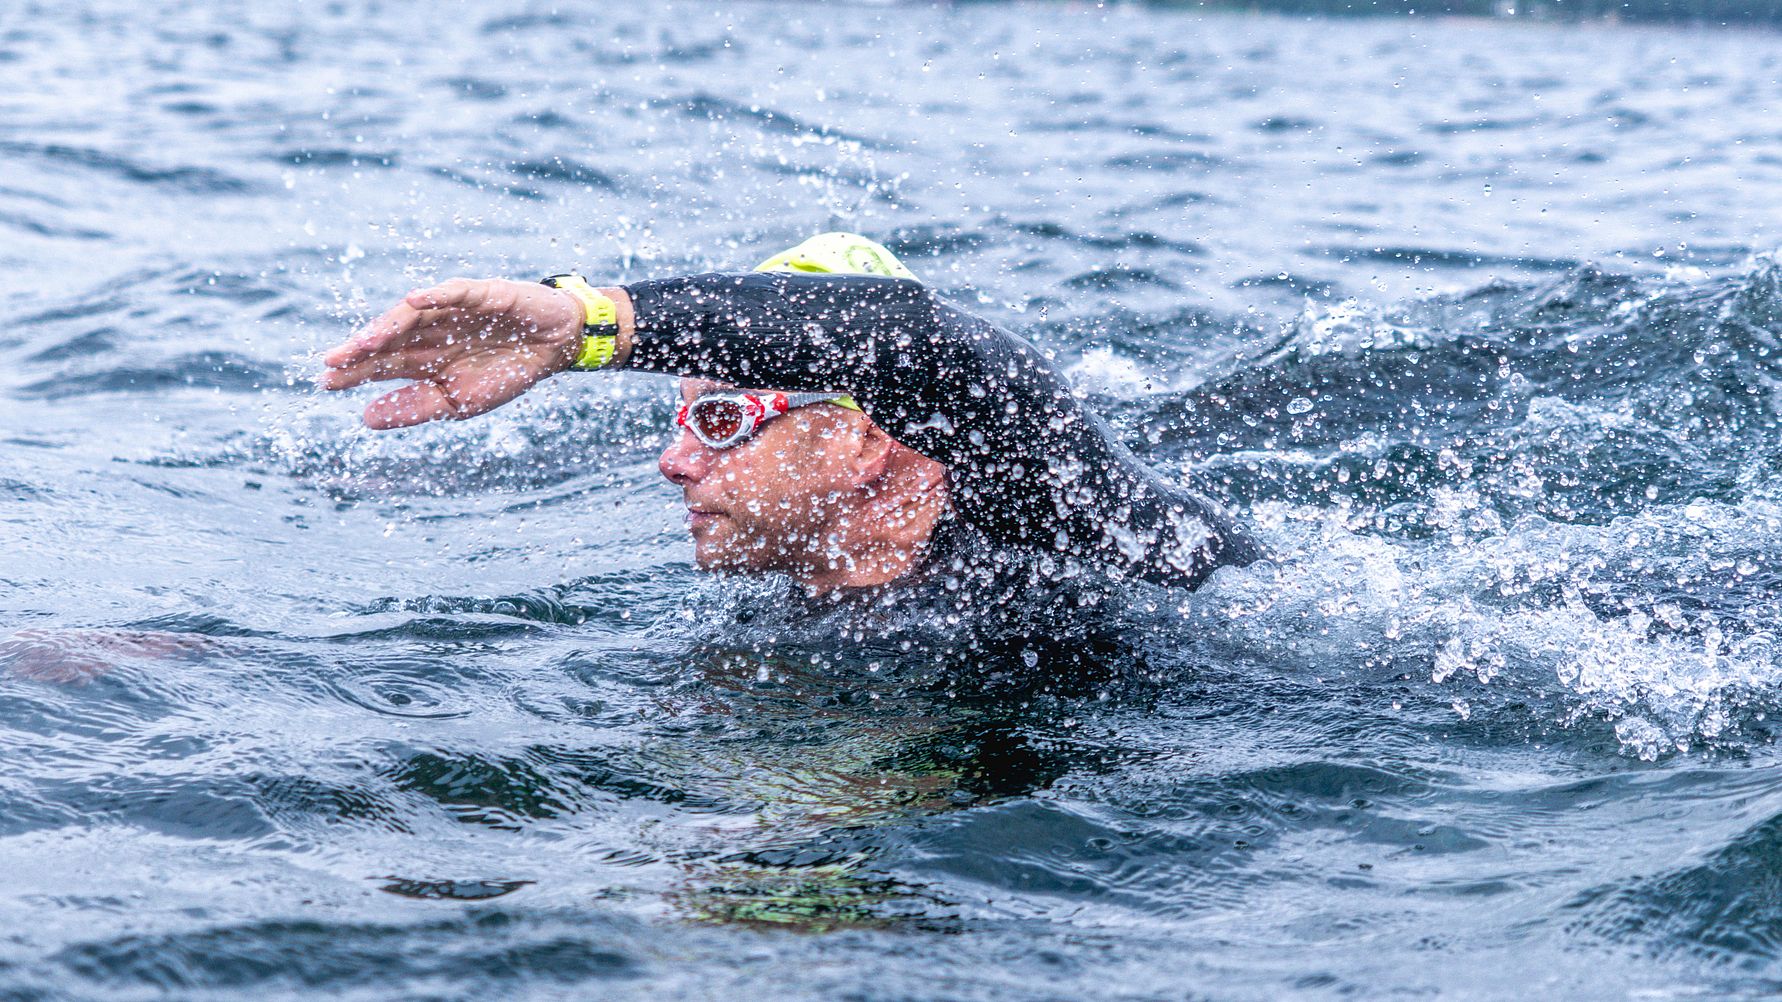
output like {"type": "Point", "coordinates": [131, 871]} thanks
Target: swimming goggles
{"type": "Point", "coordinates": [722, 420]}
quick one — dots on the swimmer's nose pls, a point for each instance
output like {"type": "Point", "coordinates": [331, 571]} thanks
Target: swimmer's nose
{"type": "Point", "coordinates": [685, 461]}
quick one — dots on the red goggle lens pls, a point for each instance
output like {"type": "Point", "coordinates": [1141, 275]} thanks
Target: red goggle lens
{"type": "Point", "coordinates": [716, 419]}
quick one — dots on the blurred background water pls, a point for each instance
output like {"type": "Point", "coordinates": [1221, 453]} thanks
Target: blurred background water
{"type": "Point", "coordinates": [1612, 11]}
{"type": "Point", "coordinates": [1477, 320]}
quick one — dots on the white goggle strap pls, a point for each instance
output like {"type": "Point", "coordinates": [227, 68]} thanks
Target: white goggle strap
{"type": "Point", "coordinates": [794, 400]}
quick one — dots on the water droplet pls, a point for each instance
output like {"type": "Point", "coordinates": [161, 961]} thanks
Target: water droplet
{"type": "Point", "coordinates": [1299, 405]}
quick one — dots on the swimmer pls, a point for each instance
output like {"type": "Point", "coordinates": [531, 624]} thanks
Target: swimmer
{"type": "Point", "coordinates": [839, 423]}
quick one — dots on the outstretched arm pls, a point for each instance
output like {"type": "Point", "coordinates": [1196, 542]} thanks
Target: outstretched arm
{"type": "Point", "coordinates": [467, 346]}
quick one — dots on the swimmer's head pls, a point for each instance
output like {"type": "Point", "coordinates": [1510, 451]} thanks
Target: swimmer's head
{"type": "Point", "coordinates": [819, 493]}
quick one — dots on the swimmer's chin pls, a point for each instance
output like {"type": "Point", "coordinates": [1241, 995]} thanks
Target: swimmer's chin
{"type": "Point", "coordinates": [721, 560]}
{"type": "Point", "coordinates": [712, 549]}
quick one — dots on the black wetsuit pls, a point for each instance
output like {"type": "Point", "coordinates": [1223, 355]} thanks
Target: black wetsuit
{"type": "Point", "coordinates": [1029, 467]}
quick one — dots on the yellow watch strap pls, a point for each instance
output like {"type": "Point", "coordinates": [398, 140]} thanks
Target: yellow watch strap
{"type": "Point", "coordinates": [600, 321]}
{"type": "Point", "coordinates": [597, 350]}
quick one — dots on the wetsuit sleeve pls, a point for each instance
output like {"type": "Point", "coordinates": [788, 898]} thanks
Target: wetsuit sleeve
{"type": "Point", "coordinates": [1028, 464]}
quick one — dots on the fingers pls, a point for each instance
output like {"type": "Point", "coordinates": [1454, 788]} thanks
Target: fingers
{"type": "Point", "coordinates": [456, 293]}
{"type": "Point", "coordinates": [416, 364]}
{"type": "Point", "coordinates": [453, 301]}
{"type": "Point", "coordinates": [460, 394]}
{"type": "Point", "coordinates": [405, 318]}
{"type": "Point", "coordinates": [345, 377]}
{"type": "Point", "coordinates": [374, 336]}
{"type": "Point", "coordinates": [416, 403]}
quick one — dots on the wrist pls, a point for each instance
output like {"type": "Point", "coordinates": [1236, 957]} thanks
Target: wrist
{"type": "Point", "coordinates": [566, 333]}
{"type": "Point", "coordinates": [627, 323]}
{"type": "Point", "coordinates": [593, 344]}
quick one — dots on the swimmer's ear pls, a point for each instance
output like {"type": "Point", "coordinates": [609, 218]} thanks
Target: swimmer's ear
{"type": "Point", "coordinates": [873, 458]}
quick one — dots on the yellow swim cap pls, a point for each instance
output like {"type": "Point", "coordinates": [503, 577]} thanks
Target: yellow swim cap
{"type": "Point", "coordinates": [838, 254]}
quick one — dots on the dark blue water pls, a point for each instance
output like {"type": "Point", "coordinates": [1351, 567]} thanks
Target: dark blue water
{"type": "Point", "coordinates": [1477, 321]}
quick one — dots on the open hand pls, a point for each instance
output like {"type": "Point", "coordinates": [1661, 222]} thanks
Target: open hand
{"type": "Point", "coordinates": [469, 345]}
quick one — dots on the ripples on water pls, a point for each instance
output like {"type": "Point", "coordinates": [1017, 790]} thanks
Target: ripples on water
{"type": "Point", "coordinates": [1474, 319]}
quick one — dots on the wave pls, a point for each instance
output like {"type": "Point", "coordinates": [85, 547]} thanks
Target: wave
{"type": "Point", "coordinates": [712, 108]}
{"type": "Point", "coordinates": [206, 370]}
{"type": "Point", "coordinates": [201, 180]}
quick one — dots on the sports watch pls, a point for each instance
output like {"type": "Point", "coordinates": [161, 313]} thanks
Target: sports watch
{"type": "Point", "coordinates": [600, 321]}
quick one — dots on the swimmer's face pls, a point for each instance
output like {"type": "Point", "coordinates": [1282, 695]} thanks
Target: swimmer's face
{"type": "Point", "coordinates": [773, 502]}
